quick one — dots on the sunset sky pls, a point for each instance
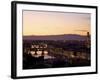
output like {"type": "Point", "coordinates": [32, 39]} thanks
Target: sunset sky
{"type": "Point", "coordinates": [55, 23]}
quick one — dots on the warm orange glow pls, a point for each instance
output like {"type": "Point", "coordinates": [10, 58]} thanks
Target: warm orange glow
{"type": "Point", "coordinates": [52, 23]}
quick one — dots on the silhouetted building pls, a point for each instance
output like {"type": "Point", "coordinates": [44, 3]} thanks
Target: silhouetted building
{"type": "Point", "coordinates": [88, 42]}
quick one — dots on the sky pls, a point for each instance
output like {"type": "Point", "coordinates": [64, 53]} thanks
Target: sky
{"type": "Point", "coordinates": [55, 23]}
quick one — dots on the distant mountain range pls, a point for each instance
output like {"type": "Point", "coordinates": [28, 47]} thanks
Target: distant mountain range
{"type": "Point", "coordinates": [56, 37]}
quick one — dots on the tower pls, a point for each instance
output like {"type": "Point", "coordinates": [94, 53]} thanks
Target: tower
{"type": "Point", "coordinates": [88, 40]}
